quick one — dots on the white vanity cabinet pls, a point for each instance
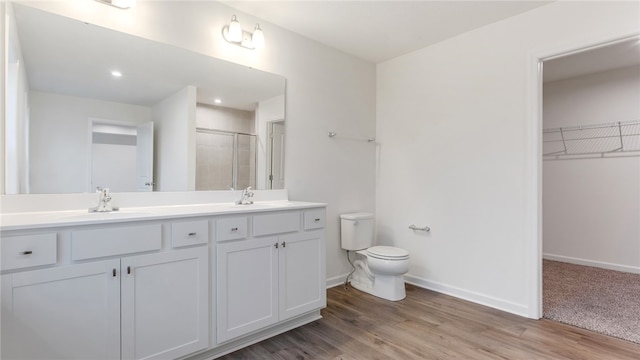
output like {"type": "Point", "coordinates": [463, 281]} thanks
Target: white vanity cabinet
{"type": "Point", "coordinates": [180, 283]}
{"type": "Point", "coordinates": [103, 301]}
{"type": "Point", "coordinates": [273, 273]}
{"type": "Point", "coordinates": [66, 312]}
{"type": "Point", "coordinates": [165, 304]}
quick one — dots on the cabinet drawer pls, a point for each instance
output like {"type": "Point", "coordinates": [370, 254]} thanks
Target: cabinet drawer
{"type": "Point", "coordinates": [188, 233]}
{"type": "Point", "coordinates": [276, 223]}
{"type": "Point", "coordinates": [94, 243]}
{"type": "Point", "coordinates": [28, 250]}
{"type": "Point", "coordinates": [231, 228]}
{"type": "Point", "coordinates": [314, 219]}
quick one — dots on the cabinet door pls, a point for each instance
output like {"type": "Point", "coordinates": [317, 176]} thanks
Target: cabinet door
{"type": "Point", "coordinates": [247, 286]}
{"type": "Point", "coordinates": [302, 273]}
{"type": "Point", "coordinates": [165, 304]}
{"type": "Point", "coordinates": [67, 312]}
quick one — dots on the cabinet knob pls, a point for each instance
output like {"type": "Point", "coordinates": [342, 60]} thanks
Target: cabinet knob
{"type": "Point", "coordinates": [114, 272]}
{"type": "Point", "coordinates": [28, 252]}
{"type": "Point", "coordinates": [276, 245]}
{"type": "Point", "coordinates": [284, 244]}
{"type": "Point", "coordinates": [192, 234]}
{"type": "Point", "coordinates": [234, 229]}
{"type": "Point", "coordinates": [316, 219]}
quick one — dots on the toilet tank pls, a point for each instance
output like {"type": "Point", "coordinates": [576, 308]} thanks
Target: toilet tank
{"type": "Point", "coordinates": [356, 231]}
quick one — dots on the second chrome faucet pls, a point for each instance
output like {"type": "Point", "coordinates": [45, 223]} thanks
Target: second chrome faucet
{"type": "Point", "coordinates": [104, 201]}
{"type": "Point", "coordinates": [246, 197]}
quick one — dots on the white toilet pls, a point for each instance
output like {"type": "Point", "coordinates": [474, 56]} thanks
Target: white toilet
{"type": "Point", "coordinates": [380, 269]}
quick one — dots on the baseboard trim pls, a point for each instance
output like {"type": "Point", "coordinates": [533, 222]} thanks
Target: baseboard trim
{"type": "Point", "coordinates": [474, 297]}
{"type": "Point", "coordinates": [336, 281]}
{"type": "Point", "coordinates": [593, 263]}
{"type": "Point", "coordinates": [500, 304]}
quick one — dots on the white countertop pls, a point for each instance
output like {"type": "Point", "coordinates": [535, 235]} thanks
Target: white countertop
{"type": "Point", "coordinates": [35, 220]}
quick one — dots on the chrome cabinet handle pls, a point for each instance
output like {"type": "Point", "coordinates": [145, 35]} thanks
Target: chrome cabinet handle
{"type": "Point", "coordinates": [316, 220]}
{"type": "Point", "coordinates": [234, 229]}
{"type": "Point", "coordinates": [28, 252]}
{"type": "Point", "coordinates": [192, 234]}
{"type": "Point", "coordinates": [284, 244]}
{"type": "Point", "coordinates": [276, 245]}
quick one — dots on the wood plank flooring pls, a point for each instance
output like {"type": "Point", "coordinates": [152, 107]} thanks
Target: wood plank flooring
{"type": "Point", "coordinates": [429, 325]}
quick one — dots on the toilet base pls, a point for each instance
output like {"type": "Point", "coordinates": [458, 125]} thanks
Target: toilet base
{"type": "Point", "coordinates": [385, 287]}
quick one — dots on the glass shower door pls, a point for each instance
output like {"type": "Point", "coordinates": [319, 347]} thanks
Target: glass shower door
{"type": "Point", "coordinates": [224, 160]}
{"type": "Point", "coordinates": [214, 160]}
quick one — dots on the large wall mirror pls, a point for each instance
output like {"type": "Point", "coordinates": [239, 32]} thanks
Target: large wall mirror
{"type": "Point", "coordinates": [89, 106]}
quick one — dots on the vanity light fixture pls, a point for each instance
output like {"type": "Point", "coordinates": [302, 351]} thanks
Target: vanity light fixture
{"type": "Point", "coordinates": [120, 4]}
{"type": "Point", "coordinates": [234, 34]}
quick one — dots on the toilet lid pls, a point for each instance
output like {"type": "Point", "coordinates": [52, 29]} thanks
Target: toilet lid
{"type": "Point", "coordinates": [388, 252]}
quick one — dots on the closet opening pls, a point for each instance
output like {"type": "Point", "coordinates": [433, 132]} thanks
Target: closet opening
{"type": "Point", "coordinates": [591, 188]}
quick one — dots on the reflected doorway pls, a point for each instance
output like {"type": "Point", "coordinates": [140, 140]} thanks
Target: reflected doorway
{"type": "Point", "coordinates": [275, 155]}
{"type": "Point", "coordinates": [120, 156]}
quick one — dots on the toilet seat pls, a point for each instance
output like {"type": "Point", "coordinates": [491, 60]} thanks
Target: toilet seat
{"type": "Point", "coordinates": [387, 253]}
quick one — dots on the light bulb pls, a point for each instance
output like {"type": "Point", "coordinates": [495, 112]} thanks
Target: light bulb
{"type": "Point", "coordinates": [235, 31]}
{"type": "Point", "coordinates": [257, 40]}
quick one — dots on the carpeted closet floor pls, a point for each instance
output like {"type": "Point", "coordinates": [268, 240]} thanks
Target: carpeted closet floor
{"type": "Point", "coordinates": [600, 300]}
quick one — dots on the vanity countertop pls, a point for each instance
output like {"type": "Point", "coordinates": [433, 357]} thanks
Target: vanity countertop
{"type": "Point", "coordinates": [34, 220]}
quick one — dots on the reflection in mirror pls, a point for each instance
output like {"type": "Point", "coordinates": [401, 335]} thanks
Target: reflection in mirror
{"type": "Point", "coordinates": [121, 156]}
{"type": "Point", "coordinates": [211, 119]}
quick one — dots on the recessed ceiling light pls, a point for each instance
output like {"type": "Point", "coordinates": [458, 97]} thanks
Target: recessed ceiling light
{"type": "Point", "coordinates": [217, 101]}
{"type": "Point", "coordinates": [116, 73]}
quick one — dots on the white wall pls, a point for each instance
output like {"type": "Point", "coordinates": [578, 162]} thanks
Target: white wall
{"type": "Point", "coordinates": [174, 145]}
{"type": "Point", "coordinates": [599, 98]}
{"type": "Point", "coordinates": [59, 138]}
{"type": "Point", "coordinates": [591, 207]}
{"type": "Point", "coordinates": [327, 90]}
{"type": "Point", "coordinates": [453, 123]}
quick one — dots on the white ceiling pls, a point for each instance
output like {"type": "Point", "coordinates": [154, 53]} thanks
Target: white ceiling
{"type": "Point", "coordinates": [376, 31]}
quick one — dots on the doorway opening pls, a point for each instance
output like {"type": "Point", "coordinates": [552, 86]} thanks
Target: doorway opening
{"type": "Point", "coordinates": [590, 188]}
{"type": "Point", "coordinates": [120, 155]}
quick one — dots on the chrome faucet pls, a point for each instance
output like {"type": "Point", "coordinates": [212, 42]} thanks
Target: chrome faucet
{"type": "Point", "coordinates": [245, 198]}
{"type": "Point", "coordinates": [104, 201]}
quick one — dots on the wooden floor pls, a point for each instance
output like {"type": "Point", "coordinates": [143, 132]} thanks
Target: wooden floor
{"type": "Point", "coordinates": [429, 325]}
